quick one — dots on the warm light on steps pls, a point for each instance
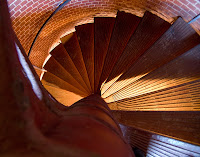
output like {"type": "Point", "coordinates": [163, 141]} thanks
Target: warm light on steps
{"type": "Point", "coordinates": [143, 79]}
{"type": "Point", "coordinates": [66, 97]}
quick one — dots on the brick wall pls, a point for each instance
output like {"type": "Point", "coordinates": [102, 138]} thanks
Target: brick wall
{"type": "Point", "coordinates": [29, 15]}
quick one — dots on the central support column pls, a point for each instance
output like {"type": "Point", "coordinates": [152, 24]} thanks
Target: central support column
{"type": "Point", "coordinates": [88, 124]}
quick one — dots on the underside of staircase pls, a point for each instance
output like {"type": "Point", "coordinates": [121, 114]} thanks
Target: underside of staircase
{"type": "Point", "coordinates": [146, 69]}
{"type": "Point", "coordinates": [116, 87]}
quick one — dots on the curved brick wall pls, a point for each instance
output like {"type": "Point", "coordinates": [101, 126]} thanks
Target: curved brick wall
{"type": "Point", "coordinates": [28, 16]}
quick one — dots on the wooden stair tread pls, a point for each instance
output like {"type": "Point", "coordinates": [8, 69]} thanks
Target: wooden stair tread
{"type": "Point", "coordinates": [62, 57]}
{"type": "Point", "coordinates": [147, 33]}
{"type": "Point", "coordinates": [149, 143]}
{"type": "Point", "coordinates": [38, 71]}
{"type": "Point", "coordinates": [65, 97]}
{"type": "Point", "coordinates": [55, 81]}
{"type": "Point", "coordinates": [55, 68]}
{"type": "Point", "coordinates": [179, 125]}
{"type": "Point", "coordinates": [73, 49]}
{"type": "Point", "coordinates": [183, 69]}
{"type": "Point", "coordinates": [85, 34]}
{"type": "Point", "coordinates": [178, 98]}
{"type": "Point", "coordinates": [179, 38]}
{"type": "Point", "coordinates": [124, 27]}
{"type": "Point", "coordinates": [103, 27]}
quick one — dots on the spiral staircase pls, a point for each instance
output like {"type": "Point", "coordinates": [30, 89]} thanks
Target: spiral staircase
{"type": "Point", "coordinates": [146, 69]}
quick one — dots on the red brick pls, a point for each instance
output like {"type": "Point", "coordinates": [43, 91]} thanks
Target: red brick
{"type": "Point", "coordinates": [12, 12]}
{"type": "Point", "coordinates": [163, 4]}
{"type": "Point", "coordinates": [193, 1]}
{"type": "Point", "coordinates": [170, 4]}
{"type": "Point", "coordinates": [10, 2]}
{"type": "Point", "coordinates": [29, 4]}
{"type": "Point", "coordinates": [84, 1]}
{"type": "Point", "coordinates": [177, 8]}
{"type": "Point", "coordinates": [41, 1]}
{"type": "Point", "coordinates": [78, 12]}
{"type": "Point", "coordinates": [78, 3]}
{"type": "Point", "coordinates": [23, 3]}
{"type": "Point", "coordinates": [198, 6]}
{"type": "Point", "coordinates": [12, 7]}
{"type": "Point", "coordinates": [95, 3]}
{"type": "Point", "coordinates": [17, 8]}
{"type": "Point", "coordinates": [23, 14]}
{"type": "Point", "coordinates": [34, 10]}
{"type": "Point", "coordinates": [82, 5]}
{"type": "Point", "coordinates": [24, 8]}
{"type": "Point", "coordinates": [49, 8]}
{"type": "Point", "coordinates": [35, 4]}
{"type": "Point", "coordinates": [29, 9]}
{"type": "Point", "coordinates": [17, 2]}
{"type": "Point", "coordinates": [196, 11]}
{"type": "Point", "coordinates": [192, 7]}
{"type": "Point", "coordinates": [178, 3]}
{"type": "Point", "coordinates": [184, 2]}
{"type": "Point", "coordinates": [191, 13]}
{"type": "Point", "coordinates": [40, 6]}
{"type": "Point", "coordinates": [17, 14]}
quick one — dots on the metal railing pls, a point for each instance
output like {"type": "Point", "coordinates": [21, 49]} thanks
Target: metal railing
{"type": "Point", "coordinates": [44, 24]}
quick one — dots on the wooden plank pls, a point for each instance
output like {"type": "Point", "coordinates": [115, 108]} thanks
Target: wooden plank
{"type": "Point", "coordinates": [73, 49]}
{"type": "Point", "coordinates": [103, 30]}
{"type": "Point", "coordinates": [62, 57]}
{"type": "Point", "coordinates": [180, 38]}
{"type": "Point", "coordinates": [85, 34]}
{"type": "Point", "coordinates": [183, 69]}
{"type": "Point", "coordinates": [65, 97]}
{"type": "Point", "coordinates": [55, 81]}
{"type": "Point", "coordinates": [125, 26]}
{"type": "Point", "coordinates": [55, 68]}
{"type": "Point", "coordinates": [184, 97]}
{"type": "Point", "coordinates": [150, 29]}
{"type": "Point", "coordinates": [151, 143]}
{"type": "Point", "coordinates": [179, 125]}
{"type": "Point", "coordinates": [38, 71]}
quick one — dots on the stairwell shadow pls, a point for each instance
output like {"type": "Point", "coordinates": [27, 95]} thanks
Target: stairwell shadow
{"type": "Point", "coordinates": [133, 136]}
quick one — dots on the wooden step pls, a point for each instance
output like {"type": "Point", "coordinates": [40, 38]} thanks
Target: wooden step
{"type": "Point", "coordinates": [183, 69]}
{"type": "Point", "coordinates": [38, 71]}
{"type": "Point", "coordinates": [124, 27]}
{"type": "Point", "coordinates": [62, 57]}
{"type": "Point", "coordinates": [73, 49]}
{"type": "Point", "coordinates": [85, 34]}
{"type": "Point", "coordinates": [149, 142]}
{"type": "Point", "coordinates": [185, 97]}
{"type": "Point", "coordinates": [179, 125]}
{"type": "Point", "coordinates": [55, 68]}
{"type": "Point", "coordinates": [180, 38]}
{"type": "Point", "coordinates": [150, 29]}
{"type": "Point", "coordinates": [103, 27]}
{"type": "Point", "coordinates": [65, 97]}
{"type": "Point", "coordinates": [53, 80]}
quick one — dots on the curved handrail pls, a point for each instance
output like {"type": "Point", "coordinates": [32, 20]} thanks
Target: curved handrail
{"type": "Point", "coordinates": [194, 19]}
{"type": "Point", "coordinates": [44, 24]}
